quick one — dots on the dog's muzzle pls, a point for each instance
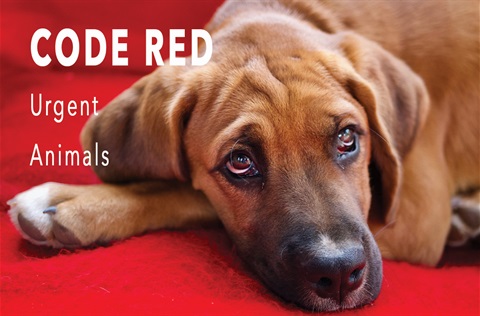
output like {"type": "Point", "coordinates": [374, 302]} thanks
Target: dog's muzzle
{"type": "Point", "coordinates": [324, 271]}
{"type": "Point", "coordinates": [334, 276]}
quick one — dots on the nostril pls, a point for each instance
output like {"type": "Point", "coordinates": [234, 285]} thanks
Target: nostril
{"type": "Point", "coordinates": [325, 282]}
{"type": "Point", "coordinates": [328, 286]}
{"type": "Point", "coordinates": [356, 277]}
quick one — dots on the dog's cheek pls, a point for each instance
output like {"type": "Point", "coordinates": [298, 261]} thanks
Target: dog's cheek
{"type": "Point", "coordinates": [238, 216]}
{"type": "Point", "coordinates": [358, 179]}
{"type": "Point", "coordinates": [363, 191]}
{"type": "Point", "coordinates": [235, 207]}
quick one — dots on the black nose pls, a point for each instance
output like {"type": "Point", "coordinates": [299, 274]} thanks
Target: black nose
{"type": "Point", "coordinates": [336, 274]}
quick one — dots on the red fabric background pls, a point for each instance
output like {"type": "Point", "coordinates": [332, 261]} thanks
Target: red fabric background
{"type": "Point", "coordinates": [165, 272]}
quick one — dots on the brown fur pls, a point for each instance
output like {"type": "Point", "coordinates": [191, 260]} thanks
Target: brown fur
{"type": "Point", "coordinates": [285, 76]}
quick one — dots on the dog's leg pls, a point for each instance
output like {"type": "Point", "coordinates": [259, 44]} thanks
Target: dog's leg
{"type": "Point", "coordinates": [465, 219]}
{"type": "Point", "coordinates": [60, 215]}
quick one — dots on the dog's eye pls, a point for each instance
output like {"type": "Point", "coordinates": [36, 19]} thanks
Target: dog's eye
{"type": "Point", "coordinates": [241, 165]}
{"type": "Point", "coordinates": [346, 141]}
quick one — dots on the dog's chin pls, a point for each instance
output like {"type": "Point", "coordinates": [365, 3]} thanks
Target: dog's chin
{"type": "Point", "coordinates": [303, 293]}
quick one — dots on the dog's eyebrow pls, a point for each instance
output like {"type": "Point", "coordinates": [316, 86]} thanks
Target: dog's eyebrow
{"type": "Point", "coordinates": [344, 112]}
{"type": "Point", "coordinates": [242, 138]}
{"type": "Point", "coordinates": [241, 128]}
{"type": "Point", "coordinates": [344, 118]}
{"type": "Point", "coordinates": [226, 135]}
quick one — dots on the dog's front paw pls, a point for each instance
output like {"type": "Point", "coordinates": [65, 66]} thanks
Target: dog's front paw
{"type": "Point", "coordinates": [34, 214]}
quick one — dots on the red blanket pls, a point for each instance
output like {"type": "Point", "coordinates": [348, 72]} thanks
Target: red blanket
{"type": "Point", "coordinates": [164, 272]}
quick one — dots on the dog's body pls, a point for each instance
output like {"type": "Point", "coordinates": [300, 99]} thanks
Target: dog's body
{"type": "Point", "coordinates": [311, 118]}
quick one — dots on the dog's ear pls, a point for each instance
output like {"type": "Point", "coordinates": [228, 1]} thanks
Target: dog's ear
{"type": "Point", "coordinates": [396, 102]}
{"type": "Point", "coordinates": [142, 129]}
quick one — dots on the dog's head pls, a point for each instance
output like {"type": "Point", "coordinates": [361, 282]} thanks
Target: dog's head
{"type": "Point", "coordinates": [286, 141]}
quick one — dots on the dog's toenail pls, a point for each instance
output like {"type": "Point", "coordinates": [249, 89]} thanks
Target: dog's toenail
{"type": "Point", "coordinates": [30, 229]}
{"type": "Point", "coordinates": [50, 210]}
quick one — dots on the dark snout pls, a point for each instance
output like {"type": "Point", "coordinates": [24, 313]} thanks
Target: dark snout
{"type": "Point", "coordinates": [334, 275]}
{"type": "Point", "coordinates": [325, 269]}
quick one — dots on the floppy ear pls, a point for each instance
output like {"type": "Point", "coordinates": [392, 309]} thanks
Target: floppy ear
{"type": "Point", "coordinates": [142, 129]}
{"type": "Point", "coordinates": [396, 102]}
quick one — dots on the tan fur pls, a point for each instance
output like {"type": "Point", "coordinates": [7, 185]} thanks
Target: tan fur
{"type": "Point", "coordinates": [286, 75]}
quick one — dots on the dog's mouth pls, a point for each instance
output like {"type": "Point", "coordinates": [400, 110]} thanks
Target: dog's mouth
{"type": "Point", "coordinates": [323, 276]}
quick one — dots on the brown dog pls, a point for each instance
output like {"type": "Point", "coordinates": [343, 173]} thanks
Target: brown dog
{"type": "Point", "coordinates": [312, 117]}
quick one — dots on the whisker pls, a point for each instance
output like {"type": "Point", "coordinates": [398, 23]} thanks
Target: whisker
{"type": "Point", "coordinates": [232, 149]}
{"type": "Point", "coordinates": [380, 136]}
{"type": "Point", "coordinates": [383, 228]}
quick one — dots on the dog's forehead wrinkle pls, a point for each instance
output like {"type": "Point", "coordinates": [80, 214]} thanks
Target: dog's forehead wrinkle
{"type": "Point", "coordinates": [281, 131]}
{"type": "Point", "coordinates": [228, 91]}
{"type": "Point", "coordinates": [248, 127]}
{"type": "Point", "coordinates": [263, 80]}
{"type": "Point", "coordinates": [280, 79]}
{"type": "Point", "coordinates": [248, 88]}
{"type": "Point", "coordinates": [262, 87]}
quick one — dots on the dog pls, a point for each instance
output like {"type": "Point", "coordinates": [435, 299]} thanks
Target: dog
{"type": "Point", "coordinates": [316, 126]}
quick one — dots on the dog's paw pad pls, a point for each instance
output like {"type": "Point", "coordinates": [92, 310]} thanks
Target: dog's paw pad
{"type": "Point", "coordinates": [30, 229]}
{"type": "Point", "coordinates": [35, 218]}
{"type": "Point", "coordinates": [65, 236]}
